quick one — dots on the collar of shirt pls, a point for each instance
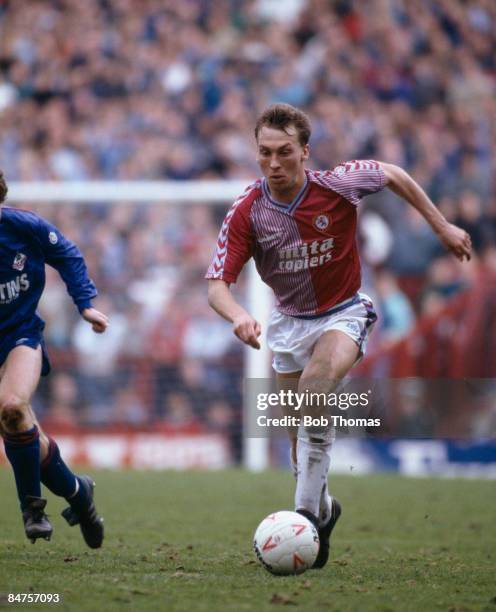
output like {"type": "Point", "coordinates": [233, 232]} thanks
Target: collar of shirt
{"type": "Point", "coordinates": [283, 206]}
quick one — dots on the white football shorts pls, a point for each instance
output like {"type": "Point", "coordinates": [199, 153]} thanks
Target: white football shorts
{"type": "Point", "coordinates": [292, 339]}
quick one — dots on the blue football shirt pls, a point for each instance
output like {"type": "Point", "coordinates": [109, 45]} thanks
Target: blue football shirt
{"type": "Point", "coordinates": [27, 243]}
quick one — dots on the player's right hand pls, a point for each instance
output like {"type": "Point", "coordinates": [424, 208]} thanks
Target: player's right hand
{"type": "Point", "coordinates": [247, 330]}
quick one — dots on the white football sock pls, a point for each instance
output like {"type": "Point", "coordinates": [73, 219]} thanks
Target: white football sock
{"type": "Point", "coordinates": [313, 454]}
{"type": "Point", "coordinates": [325, 504]}
{"type": "Point", "coordinates": [325, 507]}
{"type": "Point", "coordinates": [313, 459]}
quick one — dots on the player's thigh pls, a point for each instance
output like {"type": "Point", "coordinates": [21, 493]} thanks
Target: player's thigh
{"type": "Point", "coordinates": [333, 356]}
{"type": "Point", "coordinates": [21, 373]}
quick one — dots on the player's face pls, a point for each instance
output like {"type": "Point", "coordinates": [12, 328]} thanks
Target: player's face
{"type": "Point", "coordinates": [281, 158]}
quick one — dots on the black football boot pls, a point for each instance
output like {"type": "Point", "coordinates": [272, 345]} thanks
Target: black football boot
{"type": "Point", "coordinates": [36, 523]}
{"type": "Point", "coordinates": [90, 523]}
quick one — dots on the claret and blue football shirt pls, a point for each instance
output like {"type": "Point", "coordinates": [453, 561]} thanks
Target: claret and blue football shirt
{"type": "Point", "coordinates": [306, 250]}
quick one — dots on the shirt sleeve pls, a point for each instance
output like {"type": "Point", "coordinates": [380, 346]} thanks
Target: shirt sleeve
{"type": "Point", "coordinates": [234, 245]}
{"type": "Point", "coordinates": [355, 179]}
{"type": "Point", "coordinates": [66, 258]}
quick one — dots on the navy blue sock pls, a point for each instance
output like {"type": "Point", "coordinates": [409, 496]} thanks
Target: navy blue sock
{"type": "Point", "coordinates": [23, 452]}
{"type": "Point", "coordinates": [60, 480]}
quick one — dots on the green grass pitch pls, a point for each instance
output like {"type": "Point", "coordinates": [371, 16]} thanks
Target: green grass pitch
{"type": "Point", "coordinates": [182, 541]}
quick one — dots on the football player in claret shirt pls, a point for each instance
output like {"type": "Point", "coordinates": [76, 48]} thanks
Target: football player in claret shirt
{"type": "Point", "coordinates": [27, 243]}
{"type": "Point", "coordinates": [299, 226]}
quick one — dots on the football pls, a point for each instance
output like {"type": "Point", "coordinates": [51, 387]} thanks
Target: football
{"type": "Point", "coordinates": [286, 543]}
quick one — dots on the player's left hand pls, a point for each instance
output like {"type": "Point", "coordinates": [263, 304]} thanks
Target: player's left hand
{"type": "Point", "coordinates": [456, 240]}
{"type": "Point", "coordinates": [99, 321]}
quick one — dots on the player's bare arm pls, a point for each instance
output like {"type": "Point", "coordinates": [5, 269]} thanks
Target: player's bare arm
{"type": "Point", "coordinates": [99, 321]}
{"type": "Point", "coordinates": [454, 238]}
{"type": "Point", "coordinates": [245, 327]}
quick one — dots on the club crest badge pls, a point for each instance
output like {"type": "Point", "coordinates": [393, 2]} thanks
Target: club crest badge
{"type": "Point", "coordinates": [322, 222]}
{"type": "Point", "coordinates": [19, 261]}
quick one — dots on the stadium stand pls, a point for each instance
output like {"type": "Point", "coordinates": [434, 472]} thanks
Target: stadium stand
{"type": "Point", "coordinates": [122, 90]}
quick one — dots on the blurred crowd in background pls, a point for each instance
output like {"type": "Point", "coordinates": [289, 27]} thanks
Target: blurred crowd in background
{"type": "Point", "coordinates": [116, 89]}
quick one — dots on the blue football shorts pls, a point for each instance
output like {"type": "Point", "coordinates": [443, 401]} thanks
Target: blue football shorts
{"type": "Point", "coordinates": [28, 333]}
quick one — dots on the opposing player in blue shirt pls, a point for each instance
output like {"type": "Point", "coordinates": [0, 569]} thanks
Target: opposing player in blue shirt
{"type": "Point", "coordinates": [27, 243]}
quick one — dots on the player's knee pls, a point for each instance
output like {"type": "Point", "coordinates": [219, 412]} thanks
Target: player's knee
{"type": "Point", "coordinates": [13, 413]}
{"type": "Point", "coordinates": [320, 376]}
{"type": "Point", "coordinates": [311, 383]}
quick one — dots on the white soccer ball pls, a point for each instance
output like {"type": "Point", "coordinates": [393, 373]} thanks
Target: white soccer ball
{"type": "Point", "coordinates": [286, 543]}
